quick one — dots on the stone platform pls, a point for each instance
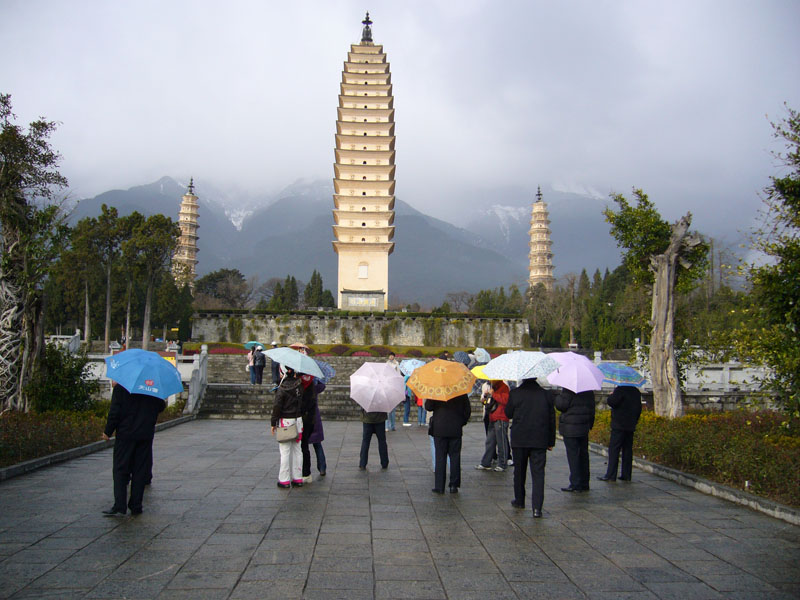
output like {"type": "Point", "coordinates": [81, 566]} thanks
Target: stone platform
{"type": "Point", "coordinates": [216, 526]}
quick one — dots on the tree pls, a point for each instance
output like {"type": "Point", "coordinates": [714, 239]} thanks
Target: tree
{"type": "Point", "coordinates": [312, 295]}
{"type": "Point", "coordinates": [671, 259]}
{"type": "Point", "coordinates": [772, 336]}
{"type": "Point", "coordinates": [129, 225]}
{"type": "Point", "coordinates": [107, 243]}
{"type": "Point", "coordinates": [224, 288]}
{"type": "Point", "coordinates": [32, 233]}
{"type": "Point", "coordinates": [152, 244]}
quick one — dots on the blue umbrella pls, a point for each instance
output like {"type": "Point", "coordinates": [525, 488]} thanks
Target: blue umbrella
{"type": "Point", "coordinates": [620, 374]}
{"type": "Point", "coordinates": [408, 365]}
{"type": "Point", "coordinates": [252, 344]}
{"type": "Point", "coordinates": [327, 370]}
{"type": "Point", "coordinates": [143, 372]}
{"type": "Point", "coordinates": [298, 361]}
{"type": "Point", "coordinates": [461, 357]}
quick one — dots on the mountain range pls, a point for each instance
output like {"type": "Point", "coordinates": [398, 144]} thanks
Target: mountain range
{"type": "Point", "coordinates": [291, 233]}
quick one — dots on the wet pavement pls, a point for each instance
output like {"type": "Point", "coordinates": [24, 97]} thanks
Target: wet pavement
{"type": "Point", "coordinates": [215, 525]}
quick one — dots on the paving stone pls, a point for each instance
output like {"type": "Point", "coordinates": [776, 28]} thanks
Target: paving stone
{"type": "Point", "coordinates": [216, 526]}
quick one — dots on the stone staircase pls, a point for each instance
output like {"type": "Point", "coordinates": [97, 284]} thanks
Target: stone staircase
{"type": "Point", "coordinates": [230, 395]}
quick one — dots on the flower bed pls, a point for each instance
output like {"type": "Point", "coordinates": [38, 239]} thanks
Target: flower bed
{"type": "Point", "coordinates": [757, 452]}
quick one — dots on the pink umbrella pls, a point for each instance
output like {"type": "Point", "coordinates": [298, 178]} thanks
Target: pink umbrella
{"type": "Point", "coordinates": [576, 373]}
{"type": "Point", "coordinates": [377, 387]}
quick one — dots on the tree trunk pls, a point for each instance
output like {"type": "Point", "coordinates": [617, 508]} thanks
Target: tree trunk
{"type": "Point", "coordinates": [86, 322]}
{"type": "Point", "coordinates": [107, 338]}
{"type": "Point", "coordinates": [128, 317]}
{"type": "Point", "coordinates": [148, 297]}
{"type": "Point", "coordinates": [10, 343]}
{"type": "Point", "coordinates": [663, 366]}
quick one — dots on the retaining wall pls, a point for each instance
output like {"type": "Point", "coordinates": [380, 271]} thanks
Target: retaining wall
{"type": "Point", "coordinates": [366, 330]}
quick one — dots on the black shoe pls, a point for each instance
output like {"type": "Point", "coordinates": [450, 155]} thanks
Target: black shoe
{"type": "Point", "coordinates": [136, 512]}
{"type": "Point", "coordinates": [607, 478]}
{"type": "Point", "coordinates": [624, 478]}
{"type": "Point", "coordinates": [516, 504]}
{"type": "Point", "coordinates": [113, 512]}
{"type": "Point", "coordinates": [384, 468]}
{"type": "Point", "coordinates": [537, 513]}
{"type": "Point", "coordinates": [322, 473]}
{"type": "Point", "coordinates": [435, 491]}
{"type": "Point", "coordinates": [570, 489]}
{"type": "Point", "coordinates": [360, 468]}
{"type": "Point", "coordinates": [284, 486]}
{"type": "Point", "coordinates": [297, 484]}
{"type": "Point", "coordinates": [453, 489]}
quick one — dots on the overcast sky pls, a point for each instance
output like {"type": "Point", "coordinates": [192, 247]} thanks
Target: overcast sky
{"type": "Point", "coordinates": [589, 96]}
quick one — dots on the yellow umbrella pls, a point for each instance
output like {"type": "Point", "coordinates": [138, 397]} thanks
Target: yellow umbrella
{"type": "Point", "coordinates": [479, 374]}
{"type": "Point", "coordinates": [441, 380]}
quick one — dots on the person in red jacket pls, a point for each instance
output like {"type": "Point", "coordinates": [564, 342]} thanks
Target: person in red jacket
{"type": "Point", "coordinates": [497, 435]}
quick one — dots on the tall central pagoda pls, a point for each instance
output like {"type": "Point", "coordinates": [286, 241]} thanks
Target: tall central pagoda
{"type": "Point", "coordinates": [364, 177]}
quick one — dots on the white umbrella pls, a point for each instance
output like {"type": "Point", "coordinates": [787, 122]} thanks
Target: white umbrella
{"type": "Point", "coordinates": [377, 387]}
{"type": "Point", "coordinates": [522, 364]}
{"type": "Point", "coordinates": [295, 360]}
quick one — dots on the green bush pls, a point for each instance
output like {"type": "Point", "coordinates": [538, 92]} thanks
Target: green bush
{"type": "Point", "coordinates": [761, 448]}
{"type": "Point", "coordinates": [25, 436]}
{"type": "Point", "coordinates": [62, 382]}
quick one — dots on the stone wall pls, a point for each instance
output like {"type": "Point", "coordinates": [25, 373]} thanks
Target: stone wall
{"type": "Point", "coordinates": [362, 330]}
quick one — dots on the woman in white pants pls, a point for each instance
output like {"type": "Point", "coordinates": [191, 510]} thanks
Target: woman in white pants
{"type": "Point", "coordinates": [286, 411]}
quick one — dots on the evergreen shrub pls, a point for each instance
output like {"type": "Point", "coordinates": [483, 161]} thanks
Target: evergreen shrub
{"type": "Point", "coordinates": [731, 448]}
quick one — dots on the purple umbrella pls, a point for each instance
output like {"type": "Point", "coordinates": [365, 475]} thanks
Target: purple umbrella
{"type": "Point", "coordinates": [576, 373]}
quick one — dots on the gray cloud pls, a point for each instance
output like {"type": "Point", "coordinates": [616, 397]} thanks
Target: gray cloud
{"type": "Point", "coordinates": [674, 97]}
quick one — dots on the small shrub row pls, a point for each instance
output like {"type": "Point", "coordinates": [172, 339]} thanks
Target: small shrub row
{"type": "Point", "coordinates": [731, 448]}
{"type": "Point", "coordinates": [25, 436]}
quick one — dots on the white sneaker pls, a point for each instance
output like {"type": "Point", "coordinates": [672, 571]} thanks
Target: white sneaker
{"type": "Point", "coordinates": [510, 463]}
{"type": "Point", "coordinates": [308, 479]}
{"type": "Point", "coordinates": [482, 468]}
{"type": "Point", "coordinates": [406, 424]}
{"type": "Point", "coordinates": [499, 469]}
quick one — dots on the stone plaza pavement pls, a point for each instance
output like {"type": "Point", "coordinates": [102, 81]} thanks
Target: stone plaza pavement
{"type": "Point", "coordinates": [216, 526]}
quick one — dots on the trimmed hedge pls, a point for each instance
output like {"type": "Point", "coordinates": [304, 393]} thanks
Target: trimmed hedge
{"type": "Point", "coordinates": [731, 448]}
{"type": "Point", "coordinates": [25, 436]}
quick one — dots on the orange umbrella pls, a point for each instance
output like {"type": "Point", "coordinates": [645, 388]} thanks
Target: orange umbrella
{"type": "Point", "coordinates": [300, 347]}
{"type": "Point", "coordinates": [441, 380]}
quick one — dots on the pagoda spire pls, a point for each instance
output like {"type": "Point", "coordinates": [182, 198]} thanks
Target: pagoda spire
{"type": "Point", "coordinates": [366, 33]}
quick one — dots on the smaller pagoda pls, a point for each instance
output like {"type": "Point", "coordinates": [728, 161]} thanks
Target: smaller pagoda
{"type": "Point", "coordinates": [541, 253]}
{"type": "Point", "coordinates": [184, 262]}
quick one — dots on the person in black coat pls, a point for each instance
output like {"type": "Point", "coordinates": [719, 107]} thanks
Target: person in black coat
{"type": "Point", "coordinates": [446, 427]}
{"type": "Point", "coordinates": [533, 433]}
{"type": "Point", "coordinates": [132, 417]}
{"type": "Point", "coordinates": [574, 424]}
{"type": "Point", "coordinates": [259, 362]}
{"type": "Point", "coordinates": [276, 369]}
{"type": "Point", "coordinates": [626, 408]}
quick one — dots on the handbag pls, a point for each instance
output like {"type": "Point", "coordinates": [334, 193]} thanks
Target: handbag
{"type": "Point", "coordinates": [287, 433]}
{"type": "Point", "coordinates": [247, 368]}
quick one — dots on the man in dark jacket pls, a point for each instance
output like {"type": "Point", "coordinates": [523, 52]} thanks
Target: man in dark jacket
{"type": "Point", "coordinates": [133, 418]}
{"type": "Point", "coordinates": [259, 362]}
{"type": "Point", "coordinates": [276, 369]}
{"type": "Point", "coordinates": [532, 435]}
{"type": "Point", "coordinates": [626, 408]}
{"type": "Point", "coordinates": [577, 418]}
{"type": "Point", "coordinates": [446, 427]}
{"type": "Point", "coordinates": [373, 422]}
